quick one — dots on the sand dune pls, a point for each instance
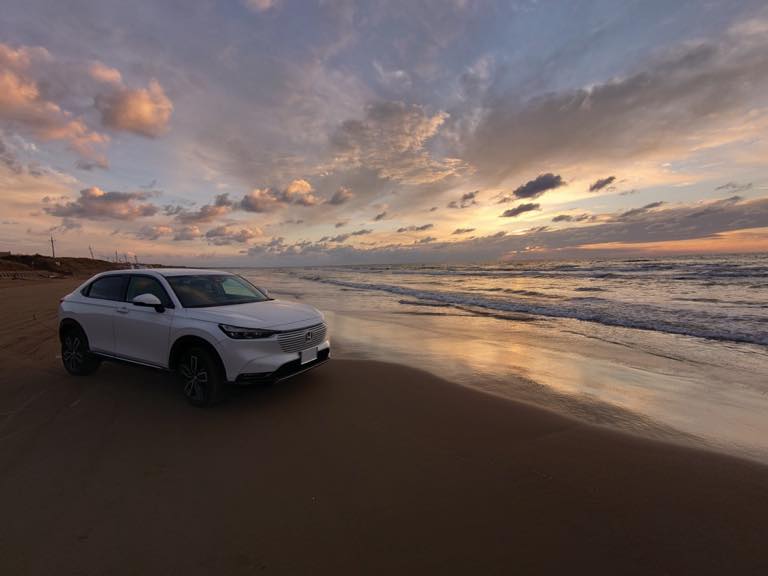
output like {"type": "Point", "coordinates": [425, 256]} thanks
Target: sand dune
{"type": "Point", "coordinates": [355, 468]}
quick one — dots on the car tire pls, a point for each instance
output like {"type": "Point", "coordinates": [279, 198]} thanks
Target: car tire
{"type": "Point", "coordinates": [200, 375]}
{"type": "Point", "coordinates": [76, 354]}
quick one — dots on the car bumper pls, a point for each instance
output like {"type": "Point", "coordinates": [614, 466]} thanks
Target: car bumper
{"type": "Point", "coordinates": [254, 361]}
{"type": "Point", "coordinates": [287, 370]}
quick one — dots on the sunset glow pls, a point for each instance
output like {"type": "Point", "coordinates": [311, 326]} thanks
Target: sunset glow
{"type": "Point", "coordinates": [382, 132]}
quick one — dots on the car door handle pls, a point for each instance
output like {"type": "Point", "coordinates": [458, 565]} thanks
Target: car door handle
{"type": "Point", "coordinates": [122, 310]}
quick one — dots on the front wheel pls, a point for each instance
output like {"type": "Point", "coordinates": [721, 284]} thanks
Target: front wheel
{"type": "Point", "coordinates": [200, 376]}
{"type": "Point", "coordinates": [76, 354]}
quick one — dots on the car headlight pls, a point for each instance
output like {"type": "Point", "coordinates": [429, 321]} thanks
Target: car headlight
{"type": "Point", "coordinates": [245, 333]}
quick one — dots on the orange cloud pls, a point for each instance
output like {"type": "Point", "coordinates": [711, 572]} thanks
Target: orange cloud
{"type": "Point", "coordinates": [145, 111]}
{"type": "Point", "coordinates": [22, 105]}
{"type": "Point", "coordinates": [105, 74]}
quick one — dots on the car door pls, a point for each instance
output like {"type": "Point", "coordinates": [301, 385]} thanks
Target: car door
{"type": "Point", "coordinates": [96, 312]}
{"type": "Point", "coordinates": [142, 333]}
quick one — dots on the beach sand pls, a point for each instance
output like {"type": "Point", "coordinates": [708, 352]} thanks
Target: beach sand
{"type": "Point", "coordinates": [357, 467]}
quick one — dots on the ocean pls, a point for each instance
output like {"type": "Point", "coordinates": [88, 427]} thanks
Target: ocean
{"type": "Point", "coordinates": [669, 347]}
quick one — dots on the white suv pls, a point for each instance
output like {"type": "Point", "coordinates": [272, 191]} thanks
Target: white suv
{"type": "Point", "coordinates": [208, 327]}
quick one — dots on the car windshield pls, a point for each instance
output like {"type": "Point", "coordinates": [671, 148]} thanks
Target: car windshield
{"type": "Point", "coordinates": [214, 290]}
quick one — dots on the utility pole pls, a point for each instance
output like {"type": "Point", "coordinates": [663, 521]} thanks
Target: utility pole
{"type": "Point", "coordinates": [53, 247]}
{"type": "Point", "coordinates": [116, 260]}
{"type": "Point", "coordinates": [91, 251]}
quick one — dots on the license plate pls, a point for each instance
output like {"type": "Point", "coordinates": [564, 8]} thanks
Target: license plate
{"type": "Point", "coordinates": [308, 355]}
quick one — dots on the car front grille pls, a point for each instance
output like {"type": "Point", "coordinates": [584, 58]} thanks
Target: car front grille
{"type": "Point", "coordinates": [297, 340]}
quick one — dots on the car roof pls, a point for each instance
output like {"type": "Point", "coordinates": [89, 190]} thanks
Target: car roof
{"type": "Point", "coordinates": [188, 271]}
{"type": "Point", "coordinates": [166, 272]}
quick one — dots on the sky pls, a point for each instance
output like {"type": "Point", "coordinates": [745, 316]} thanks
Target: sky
{"type": "Point", "coordinates": [282, 132]}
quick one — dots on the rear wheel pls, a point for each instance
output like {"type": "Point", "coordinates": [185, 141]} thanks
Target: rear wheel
{"type": "Point", "coordinates": [76, 354]}
{"type": "Point", "coordinates": [200, 376]}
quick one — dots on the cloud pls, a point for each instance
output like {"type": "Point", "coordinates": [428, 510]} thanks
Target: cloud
{"type": "Point", "coordinates": [231, 234]}
{"type": "Point", "coordinates": [629, 214]}
{"type": "Point", "coordinates": [339, 224]}
{"type": "Point", "coordinates": [735, 187]}
{"type": "Point", "coordinates": [341, 196]}
{"type": "Point", "coordinates": [96, 204]}
{"type": "Point", "coordinates": [572, 218]}
{"type": "Point", "coordinates": [463, 230]}
{"type": "Point", "coordinates": [391, 141]}
{"type": "Point", "coordinates": [344, 237]}
{"type": "Point", "coordinates": [671, 106]}
{"type": "Point", "coordinates": [298, 192]}
{"type": "Point", "coordinates": [397, 79]}
{"type": "Point", "coordinates": [535, 188]}
{"type": "Point", "coordinates": [144, 111]}
{"type": "Point", "coordinates": [259, 200]}
{"type": "Point", "coordinates": [520, 209]}
{"type": "Point", "coordinates": [380, 216]}
{"type": "Point", "coordinates": [601, 183]}
{"type": "Point", "coordinates": [415, 228]}
{"type": "Point", "coordinates": [711, 220]}
{"type": "Point", "coordinates": [153, 232]}
{"type": "Point", "coordinates": [25, 107]}
{"type": "Point", "coordinates": [105, 74]}
{"type": "Point", "coordinates": [466, 200]}
{"type": "Point", "coordinates": [188, 232]}
{"type": "Point", "coordinates": [207, 213]}
{"type": "Point", "coordinates": [66, 225]}
{"type": "Point", "coordinates": [426, 240]}
{"type": "Point", "coordinates": [260, 5]}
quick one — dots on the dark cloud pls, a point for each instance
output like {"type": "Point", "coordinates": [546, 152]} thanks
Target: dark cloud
{"type": "Point", "coordinates": [535, 188]}
{"type": "Point", "coordinates": [689, 222]}
{"type": "Point", "coordinates": [520, 209]}
{"type": "Point", "coordinates": [735, 187]}
{"type": "Point", "coordinates": [601, 183]}
{"type": "Point", "coordinates": [153, 232]}
{"type": "Point", "coordinates": [572, 218]}
{"type": "Point", "coordinates": [466, 200]}
{"type": "Point", "coordinates": [426, 240]}
{"type": "Point", "coordinates": [344, 237]}
{"type": "Point", "coordinates": [8, 158]}
{"type": "Point", "coordinates": [66, 225]}
{"type": "Point", "coordinates": [463, 230]}
{"type": "Point", "coordinates": [434, 208]}
{"type": "Point", "coordinates": [341, 196]}
{"type": "Point", "coordinates": [339, 224]}
{"type": "Point", "coordinates": [415, 228]}
{"type": "Point", "coordinates": [230, 234]}
{"type": "Point", "coordinates": [95, 204]}
{"type": "Point", "coordinates": [629, 214]}
{"type": "Point", "coordinates": [380, 216]}
{"type": "Point", "coordinates": [221, 205]}
{"type": "Point", "coordinates": [660, 108]}
{"type": "Point", "coordinates": [188, 232]}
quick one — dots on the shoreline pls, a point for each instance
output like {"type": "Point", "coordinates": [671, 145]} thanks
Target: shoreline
{"type": "Point", "coordinates": [356, 467]}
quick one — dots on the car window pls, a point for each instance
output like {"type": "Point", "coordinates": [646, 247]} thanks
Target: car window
{"type": "Point", "coordinates": [147, 285]}
{"type": "Point", "coordinates": [234, 287]}
{"type": "Point", "coordinates": [108, 288]}
{"type": "Point", "coordinates": [213, 290]}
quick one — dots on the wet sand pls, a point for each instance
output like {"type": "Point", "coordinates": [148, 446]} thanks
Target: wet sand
{"type": "Point", "coordinates": [358, 467]}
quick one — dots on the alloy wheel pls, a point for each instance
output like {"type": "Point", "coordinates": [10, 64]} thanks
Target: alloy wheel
{"type": "Point", "coordinates": [73, 354]}
{"type": "Point", "coordinates": [195, 378]}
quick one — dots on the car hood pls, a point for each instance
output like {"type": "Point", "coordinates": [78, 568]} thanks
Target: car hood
{"type": "Point", "coordinates": [270, 314]}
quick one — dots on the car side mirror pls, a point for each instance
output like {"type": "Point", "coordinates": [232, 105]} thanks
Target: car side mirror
{"type": "Point", "coordinates": [264, 291]}
{"type": "Point", "coordinates": [149, 301]}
